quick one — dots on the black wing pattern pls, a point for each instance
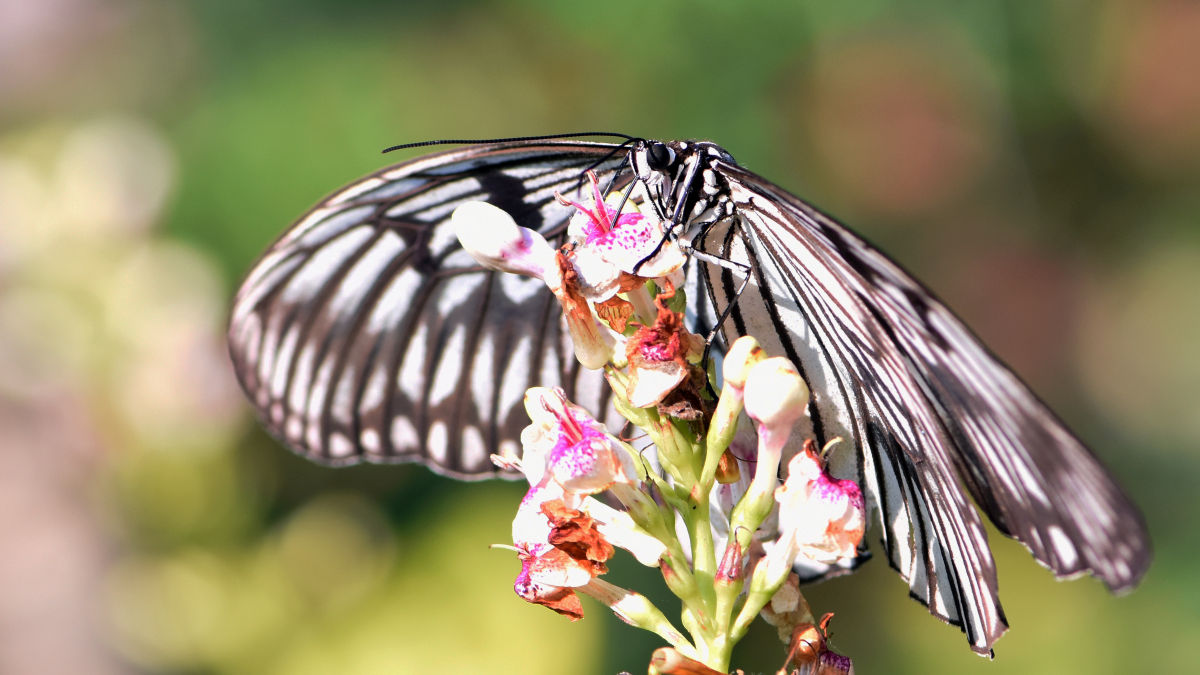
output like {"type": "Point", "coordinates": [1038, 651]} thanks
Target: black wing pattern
{"type": "Point", "coordinates": [928, 408]}
{"type": "Point", "coordinates": [367, 333]}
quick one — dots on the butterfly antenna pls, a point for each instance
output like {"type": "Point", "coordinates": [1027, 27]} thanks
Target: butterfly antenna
{"type": "Point", "coordinates": [616, 174]}
{"type": "Point", "coordinates": [513, 139]}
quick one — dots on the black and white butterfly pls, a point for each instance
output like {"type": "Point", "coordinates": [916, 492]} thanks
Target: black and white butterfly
{"type": "Point", "coordinates": [366, 333]}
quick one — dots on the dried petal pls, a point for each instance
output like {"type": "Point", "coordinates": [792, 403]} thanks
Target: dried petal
{"type": "Point", "coordinates": [564, 551]}
{"type": "Point", "coordinates": [574, 532]}
{"type": "Point", "coordinates": [593, 343]}
{"type": "Point", "coordinates": [615, 312]}
{"type": "Point", "coordinates": [809, 651]}
{"type": "Point", "coordinates": [659, 357]}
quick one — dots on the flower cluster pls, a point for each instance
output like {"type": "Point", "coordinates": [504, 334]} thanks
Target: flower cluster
{"type": "Point", "coordinates": [705, 503]}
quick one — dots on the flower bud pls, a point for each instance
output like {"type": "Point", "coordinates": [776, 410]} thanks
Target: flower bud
{"type": "Point", "coordinates": [493, 238]}
{"type": "Point", "coordinates": [743, 354]}
{"type": "Point", "coordinates": [634, 609]}
{"type": "Point", "coordinates": [775, 395]}
{"type": "Point", "coordinates": [592, 342]}
{"type": "Point", "coordinates": [667, 661]}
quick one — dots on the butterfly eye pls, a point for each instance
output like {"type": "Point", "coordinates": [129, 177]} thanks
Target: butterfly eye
{"type": "Point", "coordinates": [658, 156]}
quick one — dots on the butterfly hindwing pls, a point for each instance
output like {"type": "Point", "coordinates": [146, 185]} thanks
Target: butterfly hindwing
{"type": "Point", "coordinates": [367, 333]}
{"type": "Point", "coordinates": [862, 395]}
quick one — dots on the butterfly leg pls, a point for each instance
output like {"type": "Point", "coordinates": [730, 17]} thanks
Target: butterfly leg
{"type": "Point", "coordinates": [724, 263]}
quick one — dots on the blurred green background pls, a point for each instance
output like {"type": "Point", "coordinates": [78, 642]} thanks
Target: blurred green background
{"type": "Point", "coordinates": [1036, 163]}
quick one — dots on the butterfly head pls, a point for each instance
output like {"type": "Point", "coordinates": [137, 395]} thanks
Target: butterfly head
{"type": "Point", "coordinates": [670, 159]}
{"type": "Point", "coordinates": [684, 176]}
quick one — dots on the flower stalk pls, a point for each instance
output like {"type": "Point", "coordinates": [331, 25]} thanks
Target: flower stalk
{"type": "Point", "coordinates": [699, 501]}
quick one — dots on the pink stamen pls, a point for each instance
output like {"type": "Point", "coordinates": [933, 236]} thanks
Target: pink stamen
{"type": "Point", "coordinates": [605, 218]}
{"type": "Point", "coordinates": [571, 427]}
{"type": "Point", "coordinates": [600, 215]}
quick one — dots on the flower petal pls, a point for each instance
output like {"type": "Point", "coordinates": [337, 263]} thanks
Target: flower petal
{"type": "Point", "coordinates": [493, 238]}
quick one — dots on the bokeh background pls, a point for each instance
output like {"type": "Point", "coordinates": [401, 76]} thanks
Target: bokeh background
{"type": "Point", "coordinates": [1037, 163]}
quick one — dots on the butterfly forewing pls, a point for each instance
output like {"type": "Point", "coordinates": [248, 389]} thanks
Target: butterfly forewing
{"type": "Point", "coordinates": [367, 333]}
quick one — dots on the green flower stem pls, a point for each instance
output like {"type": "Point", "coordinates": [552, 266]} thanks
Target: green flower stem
{"type": "Point", "coordinates": [720, 653]}
{"type": "Point", "coordinates": [688, 441]}
{"type": "Point", "coordinates": [646, 513]}
{"type": "Point", "coordinates": [761, 590]}
{"type": "Point", "coordinates": [703, 559]}
{"type": "Point", "coordinates": [695, 625]}
{"type": "Point", "coordinates": [676, 500]}
{"type": "Point", "coordinates": [679, 578]}
{"type": "Point", "coordinates": [750, 512]}
{"type": "Point", "coordinates": [747, 516]}
{"type": "Point", "coordinates": [675, 451]}
{"type": "Point", "coordinates": [661, 431]}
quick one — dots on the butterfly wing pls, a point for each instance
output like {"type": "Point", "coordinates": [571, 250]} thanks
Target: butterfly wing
{"type": "Point", "coordinates": [366, 333]}
{"type": "Point", "coordinates": [928, 409]}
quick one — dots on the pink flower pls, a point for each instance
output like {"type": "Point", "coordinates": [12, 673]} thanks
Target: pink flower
{"type": "Point", "coordinates": [821, 518]}
{"type": "Point", "coordinates": [598, 225]}
{"type": "Point", "coordinates": [562, 536]}
{"type": "Point", "coordinates": [565, 444]}
{"type": "Point", "coordinates": [616, 245]}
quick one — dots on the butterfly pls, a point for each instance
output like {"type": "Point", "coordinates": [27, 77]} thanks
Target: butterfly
{"type": "Point", "coordinates": [366, 333]}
